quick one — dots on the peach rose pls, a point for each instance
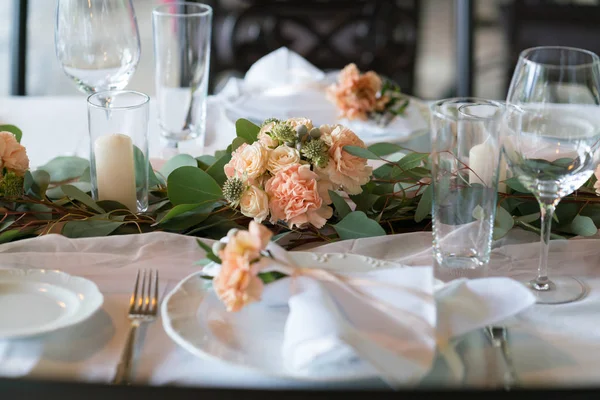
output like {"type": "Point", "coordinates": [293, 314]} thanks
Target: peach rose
{"type": "Point", "coordinates": [236, 284]}
{"type": "Point", "coordinates": [13, 155]}
{"type": "Point", "coordinates": [348, 171]}
{"type": "Point", "coordinates": [249, 161]}
{"type": "Point", "coordinates": [255, 204]}
{"type": "Point", "coordinates": [356, 94]}
{"type": "Point", "coordinates": [296, 122]}
{"type": "Point", "coordinates": [282, 157]}
{"type": "Point", "coordinates": [294, 197]}
{"type": "Point", "coordinates": [265, 139]}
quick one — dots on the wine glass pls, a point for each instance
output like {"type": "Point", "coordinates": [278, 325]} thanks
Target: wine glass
{"type": "Point", "coordinates": [551, 141]}
{"type": "Point", "coordinates": [97, 43]}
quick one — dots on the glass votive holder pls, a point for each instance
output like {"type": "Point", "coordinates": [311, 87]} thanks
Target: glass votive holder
{"type": "Point", "coordinates": [465, 161]}
{"type": "Point", "coordinates": [119, 166]}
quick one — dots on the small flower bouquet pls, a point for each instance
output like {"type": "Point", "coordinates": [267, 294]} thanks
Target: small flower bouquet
{"type": "Point", "coordinates": [367, 96]}
{"type": "Point", "coordinates": [14, 162]}
{"type": "Point", "coordinates": [287, 173]}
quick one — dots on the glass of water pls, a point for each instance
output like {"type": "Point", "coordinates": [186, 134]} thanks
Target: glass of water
{"type": "Point", "coordinates": [551, 145]}
{"type": "Point", "coordinates": [465, 161]}
{"type": "Point", "coordinates": [182, 37]}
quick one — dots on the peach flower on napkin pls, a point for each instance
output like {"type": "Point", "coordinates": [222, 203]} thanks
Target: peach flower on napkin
{"type": "Point", "coordinates": [13, 155]}
{"type": "Point", "coordinates": [249, 161]}
{"type": "Point", "coordinates": [356, 95]}
{"type": "Point", "coordinates": [348, 171]}
{"type": "Point", "coordinates": [294, 197]}
{"type": "Point", "coordinates": [237, 283]}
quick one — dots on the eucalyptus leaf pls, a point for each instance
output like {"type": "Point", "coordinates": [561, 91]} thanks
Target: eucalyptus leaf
{"type": "Point", "coordinates": [516, 185]}
{"type": "Point", "coordinates": [14, 234]}
{"type": "Point", "coordinates": [361, 152]}
{"type": "Point", "coordinates": [364, 201]}
{"type": "Point", "coordinates": [8, 221]}
{"type": "Point", "coordinates": [529, 218]}
{"type": "Point", "coordinates": [86, 176]}
{"type": "Point", "coordinates": [237, 142]}
{"type": "Point", "coordinates": [142, 165]}
{"type": "Point", "coordinates": [57, 193]}
{"type": "Point", "coordinates": [412, 160]}
{"type": "Point", "coordinates": [12, 129]}
{"type": "Point", "coordinates": [74, 193]}
{"type": "Point", "coordinates": [41, 211]}
{"type": "Point", "coordinates": [111, 205]}
{"type": "Point", "coordinates": [357, 225]}
{"type": "Point", "coordinates": [183, 222]}
{"type": "Point", "coordinates": [65, 168]}
{"type": "Point", "coordinates": [341, 206]}
{"type": "Point", "coordinates": [217, 171]}
{"type": "Point", "coordinates": [503, 222]}
{"type": "Point", "coordinates": [42, 179]}
{"type": "Point", "coordinates": [89, 228]}
{"type": "Point", "coordinates": [205, 161]}
{"type": "Point", "coordinates": [424, 207]}
{"type": "Point", "coordinates": [188, 210]}
{"type": "Point", "coordinates": [191, 185]}
{"type": "Point", "coordinates": [582, 226]}
{"type": "Point", "coordinates": [384, 149]}
{"type": "Point", "coordinates": [247, 130]}
{"type": "Point", "coordinates": [180, 160]}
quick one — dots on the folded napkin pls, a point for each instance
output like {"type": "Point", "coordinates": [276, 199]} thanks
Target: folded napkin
{"type": "Point", "coordinates": [283, 84]}
{"type": "Point", "coordinates": [389, 321]}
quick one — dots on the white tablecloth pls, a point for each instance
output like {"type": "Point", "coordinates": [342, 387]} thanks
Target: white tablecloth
{"type": "Point", "coordinates": [552, 345]}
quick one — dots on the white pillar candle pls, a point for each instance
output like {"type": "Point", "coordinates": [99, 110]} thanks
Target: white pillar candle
{"type": "Point", "coordinates": [482, 165]}
{"type": "Point", "coordinates": [115, 170]}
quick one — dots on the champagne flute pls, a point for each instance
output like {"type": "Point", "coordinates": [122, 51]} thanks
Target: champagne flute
{"type": "Point", "coordinates": [97, 43]}
{"type": "Point", "coordinates": [551, 142]}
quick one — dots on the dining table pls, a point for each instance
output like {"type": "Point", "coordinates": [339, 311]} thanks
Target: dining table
{"type": "Point", "coordinates": [552, 345]}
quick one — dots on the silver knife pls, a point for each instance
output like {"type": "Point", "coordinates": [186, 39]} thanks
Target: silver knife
{"type": "Point", "coordinates": [498, 336]}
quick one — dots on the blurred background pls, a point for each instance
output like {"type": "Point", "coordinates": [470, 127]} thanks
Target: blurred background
{"type": "Point", "coordinates": [416, 42]}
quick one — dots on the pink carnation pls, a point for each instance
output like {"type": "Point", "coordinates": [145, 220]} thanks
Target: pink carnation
{"type": "Point", "coordinates": [295, 197]}
{"type": "Point", "coordinates": [345, 170]}
{"type": "Point", "coordinates": [13, 155]}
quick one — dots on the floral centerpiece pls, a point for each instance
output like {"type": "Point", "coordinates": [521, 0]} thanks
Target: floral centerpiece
{"type": "Point", "coordinates": [305, 183]}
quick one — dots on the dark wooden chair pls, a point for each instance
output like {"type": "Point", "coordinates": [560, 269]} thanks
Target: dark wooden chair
{"type": "Point", "coordinates": [375, 34]}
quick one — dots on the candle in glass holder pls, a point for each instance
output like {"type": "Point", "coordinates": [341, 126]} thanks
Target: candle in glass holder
{"type": "Point", "coordinates": [115, 169]}
{"type": "Point", "coordinates": [482, 168]}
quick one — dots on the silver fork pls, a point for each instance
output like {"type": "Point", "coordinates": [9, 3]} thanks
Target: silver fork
{"type": "Point", "coordinates": [498, 337]}
{"type": "Point", "coordinates": [143, 307]}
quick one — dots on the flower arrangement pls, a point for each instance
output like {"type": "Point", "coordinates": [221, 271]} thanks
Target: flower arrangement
{"type": "Point", "coordinates": [366, 96]}
{"type": "Point", "coordinates": [304, 183]}
{"type": "Point", "coordinates": [288, 171]}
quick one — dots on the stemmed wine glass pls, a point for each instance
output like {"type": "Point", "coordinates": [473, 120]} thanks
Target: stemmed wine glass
{"type": "Point", "coordinates": [551, 141]}
{"type": "Point", "coordinates": [97, 43]}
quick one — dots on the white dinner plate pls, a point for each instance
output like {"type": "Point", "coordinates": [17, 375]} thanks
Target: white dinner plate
{"type": "Point", "coordinates": [310, 101]}
{"type": "Point", "coordinates": [37, 301]}
{"type": "Point", "coordinates": [197, 320]}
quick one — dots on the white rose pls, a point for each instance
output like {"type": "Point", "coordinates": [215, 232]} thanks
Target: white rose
{"type": "Point", "coordinates": [282, 157]}
{"type": "Point", "coordinates": [255, 204]}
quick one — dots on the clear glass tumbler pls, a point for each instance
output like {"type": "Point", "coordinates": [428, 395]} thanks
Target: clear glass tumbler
{"type": "Point", "coordinates": [182, 37]}
{"type": "Point", "coordinates": [119, 167]}
{"type": "Point", "coordinates": [465, 159]}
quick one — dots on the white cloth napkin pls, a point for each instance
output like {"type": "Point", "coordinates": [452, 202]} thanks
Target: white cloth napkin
{"type": "Point", "coordinates": [283, 84]}
{"type": "Point", "coordinates": [395, 330]}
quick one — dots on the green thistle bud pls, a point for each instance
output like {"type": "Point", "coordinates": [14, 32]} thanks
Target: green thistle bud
{"type": "Point", "coordinates": [315, 151]}
{"type": "Point", "coordinates": [268, 121]}
{"type": "Point", "coordinates": [11, 185]}
{"type": "Point", "coordinates": [233, 189]}
{"type": "Point", "coordinates": [283, 132]}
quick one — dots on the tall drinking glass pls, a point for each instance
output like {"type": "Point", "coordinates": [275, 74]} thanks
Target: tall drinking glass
{"type": "Point", "coordinates": [182, 37]}
{"type": "Point", "coordinates": [97, 43]}
{"type": "Point", "coordinates": [553, 132]}
{"type": "Point", "coordinates": [119, 167]}
{"type": "Point", "coordinates": [465, 168]}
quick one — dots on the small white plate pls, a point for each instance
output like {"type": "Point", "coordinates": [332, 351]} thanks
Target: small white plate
{"type": "Point", "coordinates": [37, 301]}
{"type": "Point", "coordinates": [196, 319]}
